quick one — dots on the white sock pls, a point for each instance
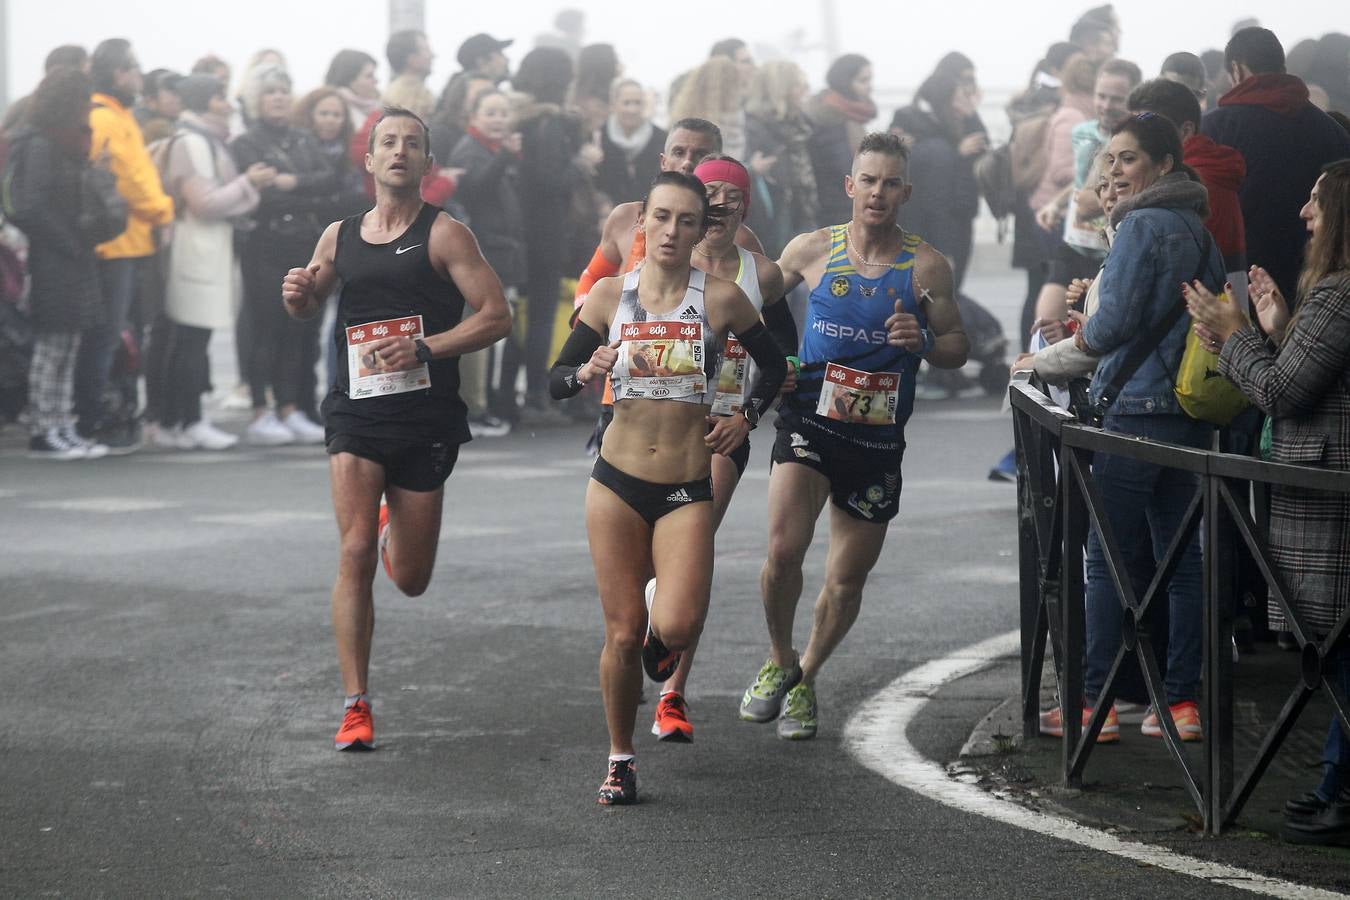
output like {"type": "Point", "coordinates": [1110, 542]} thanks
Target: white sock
{"type": "Point", "coordinates": [352, 698]}
{"type": "Point", "coordinates": [622, 757]}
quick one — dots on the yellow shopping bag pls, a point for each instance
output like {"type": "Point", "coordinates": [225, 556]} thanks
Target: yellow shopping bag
{"type": "Point", "coordinates": [1203, 393]}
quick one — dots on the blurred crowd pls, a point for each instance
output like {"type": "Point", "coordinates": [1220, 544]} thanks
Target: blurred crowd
{"type": "Point", "coordinates": [226, 179]}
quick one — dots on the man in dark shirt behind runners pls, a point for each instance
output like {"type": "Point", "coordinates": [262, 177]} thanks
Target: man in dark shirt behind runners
{"type": "Point", "coordinates": [394, 417]}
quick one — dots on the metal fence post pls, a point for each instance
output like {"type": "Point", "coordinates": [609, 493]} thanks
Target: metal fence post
{"type": "Point", "coordinates": [1218, 654]}
{"type": "Point", "coordinates": [1072, 599]}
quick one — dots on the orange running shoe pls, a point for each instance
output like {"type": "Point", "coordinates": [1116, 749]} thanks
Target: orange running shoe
{"type": "Point", "coordinates": [1185, 715]}
{"type": "Point", "coordinates": [384, 540]}
{"type": "Point", "coordinates": [358, 728]}
{"type": "Point", "coordinates": [1052, 724]}
{"type": "Point", "coordinates": [672, 720]}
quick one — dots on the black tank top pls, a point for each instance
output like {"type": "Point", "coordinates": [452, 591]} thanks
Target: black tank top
{"type": "Point", "coordinates": [391, 281]}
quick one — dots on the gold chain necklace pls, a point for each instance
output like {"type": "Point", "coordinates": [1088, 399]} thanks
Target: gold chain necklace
{"type": "Point", "coordinates": [848, 241]}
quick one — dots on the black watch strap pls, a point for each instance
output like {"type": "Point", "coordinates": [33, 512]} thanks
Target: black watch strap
{"type": "Point", "coordinates": [423, 352]}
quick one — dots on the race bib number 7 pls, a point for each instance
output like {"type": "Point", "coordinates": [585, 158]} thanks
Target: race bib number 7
{"type": "Point", "coordinates": [860, 398]}
{"type": "Point", "coordinates": [364, 378]}
{"type": "Point", "coordinates": [660, 360]}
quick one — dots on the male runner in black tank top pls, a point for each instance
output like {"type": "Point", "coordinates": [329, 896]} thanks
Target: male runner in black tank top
{"type": "Point", "coordinates": [394, 419]}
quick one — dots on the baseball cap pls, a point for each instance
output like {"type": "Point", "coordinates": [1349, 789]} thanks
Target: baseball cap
{"type": "Point", "coordinates": [478, 46]}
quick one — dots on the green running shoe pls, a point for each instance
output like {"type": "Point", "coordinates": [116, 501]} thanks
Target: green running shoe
{"type": "Point", "coordinates": [763, 699]}
{"type": "Point", "coordinates": [798, 721]}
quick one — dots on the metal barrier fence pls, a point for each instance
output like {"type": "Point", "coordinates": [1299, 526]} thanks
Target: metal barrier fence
{"type": "Point", "coordinates": [1058, 502]}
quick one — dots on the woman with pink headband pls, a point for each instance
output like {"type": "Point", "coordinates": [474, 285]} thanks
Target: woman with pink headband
{"type": "Point", "coordinates": [728, 187]}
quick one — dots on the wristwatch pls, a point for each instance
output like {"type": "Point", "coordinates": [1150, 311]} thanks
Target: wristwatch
{"type": "Point", "coordinates": [423, 352]}
{"type": "Point", "coordinates": [751, 415]}
{"type": "Point", "coordinates": [928, 340]}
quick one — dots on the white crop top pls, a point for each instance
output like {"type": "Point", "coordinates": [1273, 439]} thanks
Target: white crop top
{"type": "Point", "coordinates": [673, 356]}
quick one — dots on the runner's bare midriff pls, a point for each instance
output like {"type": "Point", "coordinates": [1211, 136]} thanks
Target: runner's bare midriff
{"type": "Point", "coordinates": [659, 440]}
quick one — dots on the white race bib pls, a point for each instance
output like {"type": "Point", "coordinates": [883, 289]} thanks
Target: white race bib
{"type": "Point", "coordinates": [364, 380]}
{"type": "Point", "coordinates": [660, 361]}
{"type": "Point", "coordinates": [730, 396]}
{"type": "Point", "coordinates": [860, 398]}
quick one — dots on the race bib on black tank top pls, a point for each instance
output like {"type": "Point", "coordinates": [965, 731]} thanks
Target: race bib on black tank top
{"type": "Point", "coordinates": [394, 288]}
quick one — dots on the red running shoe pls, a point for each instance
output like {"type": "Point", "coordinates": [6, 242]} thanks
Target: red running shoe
{"type": "Point", "coordinates": [358, 728]}
{"type": "Point", "coordinates": [672, 720]}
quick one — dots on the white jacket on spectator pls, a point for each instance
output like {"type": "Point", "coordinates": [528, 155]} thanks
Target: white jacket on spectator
{"type": "Point", "coordinates": [204, 286]}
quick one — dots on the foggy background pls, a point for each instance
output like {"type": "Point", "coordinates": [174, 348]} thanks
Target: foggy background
{"type": "Point", "coordinates": [655, 41]}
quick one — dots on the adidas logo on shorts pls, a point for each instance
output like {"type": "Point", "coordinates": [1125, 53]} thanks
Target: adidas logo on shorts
{"type": "Point", "coordinates": [690, 313]}
{"type": "Point", "coordinates": [680, 496]}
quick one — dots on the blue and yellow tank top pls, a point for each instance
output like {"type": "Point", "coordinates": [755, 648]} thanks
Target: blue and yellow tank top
{"type": "Point", "coordinates": [846, 330]}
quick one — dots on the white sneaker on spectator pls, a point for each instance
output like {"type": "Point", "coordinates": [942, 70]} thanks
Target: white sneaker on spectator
{"type": "Point", "coordinates": [267, 431]}
{"type": "Point", "coordinates": [92, 449]}
{"type": "Point", "coordinates": [305, 431]}
{"type": "Point", "coordinates": [203, 435]}
{"type": "Point", "coordinates": [167, 437]}
{"type": "Point", "coordinates": [238, 399]}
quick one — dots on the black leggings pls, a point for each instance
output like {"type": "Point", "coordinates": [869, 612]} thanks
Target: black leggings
{"type": "Point", "coordinates": [283, 351]}
{"type": "Point", "coordinates": [184, 373]}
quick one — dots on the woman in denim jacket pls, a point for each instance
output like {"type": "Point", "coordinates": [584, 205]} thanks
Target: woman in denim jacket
{"type": "Point", "coordinates": [1159, 238]}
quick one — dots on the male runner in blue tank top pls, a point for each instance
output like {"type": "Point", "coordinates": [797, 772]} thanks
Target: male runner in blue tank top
{"type": "Point", "coordinates": [394, 417]}
{"type": "Point", "coordinates": [882, 301]}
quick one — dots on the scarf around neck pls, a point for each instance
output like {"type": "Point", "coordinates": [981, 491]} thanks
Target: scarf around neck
{"type": "Point", "coordinates": [854, 110]}
{"type": "Point", "coordinates": [1175, 190]}
{"type": "Point", "coordinates": [631, 145]}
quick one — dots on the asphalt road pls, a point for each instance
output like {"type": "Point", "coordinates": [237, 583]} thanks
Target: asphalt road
{"type": "Point", "coordinates": [170, 695]}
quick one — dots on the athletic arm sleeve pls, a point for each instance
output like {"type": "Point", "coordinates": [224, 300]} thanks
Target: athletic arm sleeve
{"type": "Point", "coordinates": [768, 356]}
{"type": "Point", "coordinates": [575, 353]}
{"type": "Point", "coordinates": [782, 327]}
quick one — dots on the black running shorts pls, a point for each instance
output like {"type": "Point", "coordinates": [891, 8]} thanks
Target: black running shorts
{"type": "Point", "coordinates": [410, 465]}
{"type": "Point", "coordinates": [864, 481]}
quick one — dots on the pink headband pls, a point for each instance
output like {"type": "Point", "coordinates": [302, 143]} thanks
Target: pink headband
{"type": "Point", "coordinates": [730, 171]}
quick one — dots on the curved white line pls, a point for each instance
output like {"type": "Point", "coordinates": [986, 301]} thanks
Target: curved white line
{"type": "Point", "coordinates": [876, 735]}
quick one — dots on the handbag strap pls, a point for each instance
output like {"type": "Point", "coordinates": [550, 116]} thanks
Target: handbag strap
{"type": "Point", "coordinates": [1149, 342]}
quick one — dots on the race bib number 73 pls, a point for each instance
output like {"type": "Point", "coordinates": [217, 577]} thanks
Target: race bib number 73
{"type": "Point", "coordinates": [860, 398]}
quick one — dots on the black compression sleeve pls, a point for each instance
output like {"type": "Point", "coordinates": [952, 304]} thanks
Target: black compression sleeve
{"type": "Point", "coordinates": [575, 353]}
{"type": "Point", "coordinates": [782, 326]}
{"type": "Point", "coordinates": [768, 356]}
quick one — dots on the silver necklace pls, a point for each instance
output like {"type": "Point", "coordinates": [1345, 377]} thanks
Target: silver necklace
{"type": "Point", "coordinates": [848, 241]}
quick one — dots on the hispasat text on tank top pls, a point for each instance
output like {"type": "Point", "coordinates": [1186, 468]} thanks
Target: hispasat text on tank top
{"type": "Point", "coordinates": [850, 376]}
{"type": "Point", "coordinates": [672, 356]}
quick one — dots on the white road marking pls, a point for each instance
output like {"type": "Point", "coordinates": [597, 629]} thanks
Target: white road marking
{"type": "Point", "coordinates": [877, 737]}
{"type": "Point", "coordinates": [462, 532]}
{"type": "Point", "coordinates": [197, 458]}
{"type": "Point", "coordinates": [266, 518]}
{"type": "Point", "coordinates": [104, 505]}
